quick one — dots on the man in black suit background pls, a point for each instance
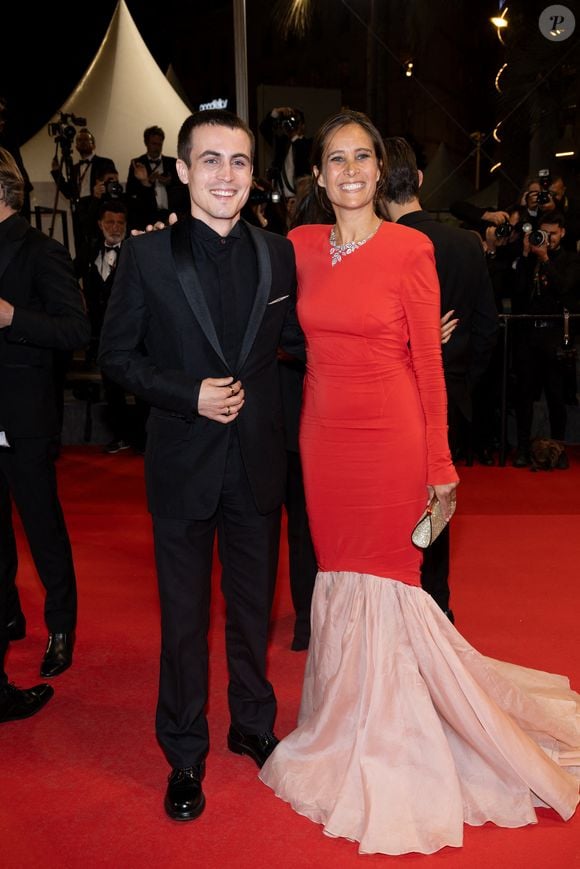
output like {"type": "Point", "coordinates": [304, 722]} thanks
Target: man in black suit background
{"type": "Point", "coordinates": [467, 291]}
{"type": "Point", "coordinates": [283, 129]}
{"type": "Point", "coordinates": [153, 186]}
{"type": "Point", "coordinates": [79, 187]}
{"type": "Point", "coordinates": [41, 310]}
{"type": "Point", "coordinates": [193, 325]}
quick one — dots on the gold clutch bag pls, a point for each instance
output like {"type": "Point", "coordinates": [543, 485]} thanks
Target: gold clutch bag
{"type": "Point", "coordinates": [431, 523]}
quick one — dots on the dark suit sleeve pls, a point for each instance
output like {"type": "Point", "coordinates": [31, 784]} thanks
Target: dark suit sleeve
{"type": "Point", "coordinates": [58, 320]}
{"type": "Point", "coordinates": [125, 336]}
{"type": "Point", "coordinates": [292, 337]}
{"type": "Point", "coordinates": [484, 327]}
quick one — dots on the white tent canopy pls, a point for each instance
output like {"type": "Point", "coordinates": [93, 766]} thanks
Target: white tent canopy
{"type": "Point", "coordinates": [122, 92]}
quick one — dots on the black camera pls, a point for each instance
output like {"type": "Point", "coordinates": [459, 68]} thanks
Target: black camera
{"type": "Point", "coordinates": [288, 123]}
{"type": "Point", "coordinates": [64, 130]}
{"type": "Point", "coordinates": [545, 179]}
{"type": "Point", "coordinates": [262, 197]}
{"type": "Point", "coordinates": [113, 189]}
{"type": "Point", "coordinates": [538, 237]}
{"type": "Point", "coordinates": [504, 230]}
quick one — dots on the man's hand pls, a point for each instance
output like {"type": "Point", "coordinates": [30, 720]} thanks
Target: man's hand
{"type": "Point", "coordinates": [448, 326]}
{"type": "Point", "coordinates": [152, 227]}
{"type": "Point", "coordinates": [220, 399]}
{"type": "Point", "coordinates": [6, 313]}
{"type": "Point", "coordinates": [141, 173]}
{"type": "Point", "coordinates": [495, 217]}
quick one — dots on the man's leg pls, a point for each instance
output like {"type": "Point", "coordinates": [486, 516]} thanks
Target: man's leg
{"type": "Point", "coordinates": [248, 547]}
{"type": "Point", "coordinates": [435, 571]}
{"type": "Point", "coordinates": [302, 559]}
{"type": "Point", "coordinates": [10, 610]}
{"type": "Point", "coordinates": [30, 472]}
{"type": "Point", "coordinates": [183, 553]}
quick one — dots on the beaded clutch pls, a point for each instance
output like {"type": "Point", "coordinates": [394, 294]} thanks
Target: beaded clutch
{"type": "Point", "coordinates": [431, 523]}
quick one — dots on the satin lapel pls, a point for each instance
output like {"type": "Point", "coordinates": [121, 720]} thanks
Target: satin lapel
{"type": "Point", "coordinates": [262, 292]}
{"type": "Point", "coordinates": [190, 284]}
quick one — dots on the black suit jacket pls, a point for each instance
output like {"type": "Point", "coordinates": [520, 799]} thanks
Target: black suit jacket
{"type": "Point", "coordinates": [465, 287]}
{"type": "Point", "coordinates": [159, 342]}
{"type": "Point", "coordinates": [70, 189]}
{"type": "Point", "coordinates": [38, 278]}
{"type": "Point", "coordinates": [141, 199]}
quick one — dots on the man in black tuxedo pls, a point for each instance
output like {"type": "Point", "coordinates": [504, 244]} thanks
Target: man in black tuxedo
{"type": "Point", "coordinates": [41, 310]}
{"type": "Point", "coordinates": [197, 313]}
{"type": "Point", "coordinates": [283, 129]}
{"type": "Point", "coordinates": [466, 290]}
{"type": "Point", "coordinates": [153, 186]}
{"type": "Point", "coordinates": [78, 187]}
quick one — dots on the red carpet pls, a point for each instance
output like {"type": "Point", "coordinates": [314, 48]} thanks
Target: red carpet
{"type": "Point", "coordinates": [83, 782]}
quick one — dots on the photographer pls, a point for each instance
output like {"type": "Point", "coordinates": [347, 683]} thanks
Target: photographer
{"type": "Point", "coordinates": [266, 207]}
{"type": "Point", "coordinates": [547, 281]}
{"type": "Point", "coordinates": [81, 177]}
{"type": "Point", "coordinates": [283, 130]}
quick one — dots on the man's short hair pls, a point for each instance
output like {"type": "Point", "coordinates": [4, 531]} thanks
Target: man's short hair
{"type": "Point", "coordinates": [553, 217]}
{"type": "Point", "coordinates": [402, 185]}
{"type": "Point", "coordinates": [11, 181]}
{"type": "Point", "coordinates": [114, 205]}
{"type": "Point", "coordinates": [211, 118]}
{"type": "Point", "coordinates": [152, 131]}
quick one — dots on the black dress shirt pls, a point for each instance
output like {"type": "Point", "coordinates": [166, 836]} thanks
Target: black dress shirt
{"type": "Point", "coordinates": [228, 272]}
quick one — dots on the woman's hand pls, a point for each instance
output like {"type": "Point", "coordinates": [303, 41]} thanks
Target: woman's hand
{"type": "Point", "coordinates": [444, 495]}
{"type": "Point", "coordinates": [448, 326]}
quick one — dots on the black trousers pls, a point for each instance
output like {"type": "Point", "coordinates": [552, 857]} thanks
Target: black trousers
{"type": "Point", "coordinates": [435, 570]}
{"type": "Point", "coordinates": [537, 367]}
{"type": "Point", "coordinates": [303, 567]}
{"type": "Point", "coordinates": [27, 473]}
{"type": "Point", "coordinates": [248, 545]}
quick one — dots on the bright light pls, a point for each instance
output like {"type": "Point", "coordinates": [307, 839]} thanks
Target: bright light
{"type": "Point", "coordinates": [500, 21]}
{"type": "Point", "coordinates": [409, 68]}
{"type": "Point", "coordinates": [498, 76]}
{"type": "Point", "coordinates": [494, 167]}
{"type": "Point", "coordinates": [495, 133]}
{"type": "Point", "coordinates": [564, 153]}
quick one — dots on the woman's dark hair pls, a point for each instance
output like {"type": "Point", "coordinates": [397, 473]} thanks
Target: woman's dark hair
{"type": "Point", "coordinates": [307, 208]}
{"type": "Point", "coordinates": [331, 125]}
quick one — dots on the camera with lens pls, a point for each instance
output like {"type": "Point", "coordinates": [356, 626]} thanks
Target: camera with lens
{"type": "Point", "coordinates": [545, 179]}
{"type": "Point", "coordinates": [503, 230]}
{"type": "Point", "coordinates": [262, 197]}
{"type": "Point", "coordinates": [288, 122]}
{"type": "Point", "coordinates": [113, 189]}
{"type": "Point", "coordinates": [64, 130]}
{"type": "Point", "coordinates": [538, 237]}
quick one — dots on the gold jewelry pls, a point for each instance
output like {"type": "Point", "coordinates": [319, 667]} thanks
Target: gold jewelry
{"type": "Point", "coordinates": [233, 390]}
{"type": "Point", "coordinates": [228, 411]}
{"type": "Point", "coordinates": [337, 251]}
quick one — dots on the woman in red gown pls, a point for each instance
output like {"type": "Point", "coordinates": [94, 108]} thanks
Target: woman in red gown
{"type": "Point", "coordinates": [405, 732]}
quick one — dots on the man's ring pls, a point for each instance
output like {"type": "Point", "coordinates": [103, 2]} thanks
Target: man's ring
{"type": "Point", "coordinates": [233, 390]}
{"type": "Point", "coordinates": [228, 411]}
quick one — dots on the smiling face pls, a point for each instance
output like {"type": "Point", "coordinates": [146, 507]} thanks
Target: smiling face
{"type": "Point", "coordinates": [219, 176]}
{"type": "Point", "coordinates": [350, 169]}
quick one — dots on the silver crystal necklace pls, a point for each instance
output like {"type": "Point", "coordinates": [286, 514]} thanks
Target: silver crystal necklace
{"type": "Point", "coordinates": [338, 251]}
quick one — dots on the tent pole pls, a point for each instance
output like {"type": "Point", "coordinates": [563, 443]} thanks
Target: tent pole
{"type": "Point", "coordinates": [241, 59]}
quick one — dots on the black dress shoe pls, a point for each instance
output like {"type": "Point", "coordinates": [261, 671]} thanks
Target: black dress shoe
{"type": "Point", "coordinates": [300, 643]}
{"type": "Point", "coordinates": [184, 799]}
{"type": "Point", "coordinates": [522, 459]}
{"type": "Point", "coordinates": [17, 703]}
{"type": "Point", "coordinates": [485, 457]}
{"type": "Point", "coordinates": [259, 748]}
{"type": "Point", "coordinates": [16, 627]}
{"type": "Point", "coordinates": [58, 655]}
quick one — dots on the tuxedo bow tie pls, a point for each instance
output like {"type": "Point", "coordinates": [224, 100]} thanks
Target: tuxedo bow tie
{"type": "Point", "coordinates": [84, 162]}
{"type": "Point", "coordinates": [154, 163]}
{"type": "Point", "coordinates": [112, 247]}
